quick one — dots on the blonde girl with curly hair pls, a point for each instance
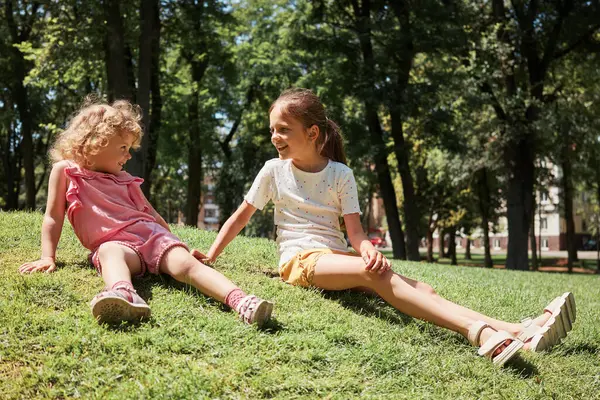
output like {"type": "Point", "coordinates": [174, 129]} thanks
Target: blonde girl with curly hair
{"type": "Point", "coordinates": [113, 219]}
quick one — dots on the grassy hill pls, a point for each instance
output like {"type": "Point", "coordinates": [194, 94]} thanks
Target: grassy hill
{"type": "Point", "coordinates": [321, 345]}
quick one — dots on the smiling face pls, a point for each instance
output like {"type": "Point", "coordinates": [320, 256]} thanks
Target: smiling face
{"type": "Point", "coordinates": [289, 136]}
{"type": "Point", "coordinates": [112, 158]}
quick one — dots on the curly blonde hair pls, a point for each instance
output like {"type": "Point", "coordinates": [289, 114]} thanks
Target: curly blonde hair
{"type": "Point", "coordinates": [92, 127]}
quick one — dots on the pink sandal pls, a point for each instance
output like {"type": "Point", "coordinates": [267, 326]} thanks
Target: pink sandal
{"type": "Point", "coordinates": [119, 304]}
{"type": "Point", "coordinates": [253, 310]}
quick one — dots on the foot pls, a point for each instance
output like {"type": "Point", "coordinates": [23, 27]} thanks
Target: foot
{"type": "Point", "coordinates": [552, 326]}
{"type": "Point", "coordinates": [119, 304]}
{"type": "Point", "coordinates": [253, 310]}
{"type": "Point", "coordinates": [486, 334]}
{"type": "Point", "coordinates": [498, 346]}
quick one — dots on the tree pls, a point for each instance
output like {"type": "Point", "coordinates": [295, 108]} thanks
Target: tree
{"type": "Point", "coordinates": [21, 23]}
{"type": "Point", "coordinates": [520, 43]}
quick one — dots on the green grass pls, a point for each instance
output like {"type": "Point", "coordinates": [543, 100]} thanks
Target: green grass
{"type": "Point", "coordinates": [321, 345]}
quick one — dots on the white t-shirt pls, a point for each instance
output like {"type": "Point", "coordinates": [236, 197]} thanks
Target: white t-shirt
{"type": "Point", "coordinates": [307, 204]}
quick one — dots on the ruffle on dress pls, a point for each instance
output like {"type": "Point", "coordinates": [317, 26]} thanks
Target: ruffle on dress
{"type": "Point", "coordinates": [74, 173]}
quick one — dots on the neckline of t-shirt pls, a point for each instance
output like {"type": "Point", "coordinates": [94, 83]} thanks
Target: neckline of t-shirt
{"type": "Point", "coordinates": [311, 173]}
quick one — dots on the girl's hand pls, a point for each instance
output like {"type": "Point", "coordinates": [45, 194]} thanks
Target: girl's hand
{"type": "Point", "coordinates": [376, 262]}
{"type": "Point", "coordinates": [203, 258]}
{"type": "Point", "coordinates": [45, 264]}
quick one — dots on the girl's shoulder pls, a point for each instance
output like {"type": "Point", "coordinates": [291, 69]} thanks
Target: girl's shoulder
{"type": "Point", "coordinates": [62, 165]}
{"type": "Point", "coordinates": [274, 164]}
{"type": "Point", "coordinates": [340, 168]}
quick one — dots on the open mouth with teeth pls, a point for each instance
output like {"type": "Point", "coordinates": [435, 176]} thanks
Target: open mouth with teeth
{"type": "Point", "coordinates": [281, 148]}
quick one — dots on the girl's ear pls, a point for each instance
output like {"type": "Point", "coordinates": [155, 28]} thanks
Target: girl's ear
{"type": "Point", "coordinates": [313, 132]}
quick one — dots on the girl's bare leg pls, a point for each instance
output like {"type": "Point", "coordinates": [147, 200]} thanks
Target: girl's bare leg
{"type": "Point", "coordinates": [339, 272]}
{"type": "Point", "coordinates": [181, 265]}
{"type": "Point", "coordinates": [496, 324]}
{"type": "Point", "coordinates": [118, 263]}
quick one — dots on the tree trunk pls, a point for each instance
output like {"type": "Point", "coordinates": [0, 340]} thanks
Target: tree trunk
{"type": "Point", "coordinates": [468, 250]}
{"type": "Point", "coordinates": [452, 245]}
{"type": "Point", "coordinates": [410, 204]}
{"type": "Point", "coordinates": [21, 96]}
{"type": "Point", "coordinates": [404, 57]}
{"type": "Point", "coordinates": [484, 210]}
{"type": "Point", "coordinates": [148, 89]}
{"type": "Point", "coordinates": [11, 160]}
{"type": "Point", "coordinates": [386, 186]}
{"type": "Point", "coordinates": [117, 64]}
{"type": "Point", "coordinates": [540, 261]}
{"type": "Point", "coordinates": [195, 175]}
{"type": "Point", "coordinates": [136, 164]}
{"type": "Point", "coordinates": [446, 250]}
{"type": "Point", "coordinates": [597, 215]}
{"type": "Point", "coordinates": [363, 24]}
{"type": "Point", "coordinates": [156, 108]}
{"type": "Point", "coordinates": [567, 187]}
{"type": "Point", "coordinates": [532, 241]}
{"type": "Point", "coordinates": [430, 258]}
{"type": "Point", "coordinates": [441, 251]}
{"type": "Point", "coordinates": [519, 202]}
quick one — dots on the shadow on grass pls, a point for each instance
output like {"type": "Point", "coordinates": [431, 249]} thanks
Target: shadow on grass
{"type": "Point", "coordinates": [145, 285]}
{"type": "Point", "coordinates": [581, 348]}
{"type": "Point", "coordinates": [522, 367]}
{"type": "Point", "coordinates": [364, 303]}
{"type": "Point", "coordinates": [126, 326]}
{"type": "Point", "coordinates": [273, 326]}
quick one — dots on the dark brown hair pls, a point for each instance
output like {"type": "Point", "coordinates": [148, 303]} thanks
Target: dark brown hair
{"type": "Point", "coordinates": [306, 107]}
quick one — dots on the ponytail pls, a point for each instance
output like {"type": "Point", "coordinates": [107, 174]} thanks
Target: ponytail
{"type": "Point", "coordinates": [332, 145]}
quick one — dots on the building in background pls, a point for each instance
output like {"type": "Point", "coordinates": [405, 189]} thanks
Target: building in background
{"type": "Point", "coordinates": [208, 216]}
{"type": "Point", "coordinates": [550, 226]}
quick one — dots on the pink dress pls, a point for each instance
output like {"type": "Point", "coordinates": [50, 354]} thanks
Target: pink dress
{"type": "Point", "coordinates": [112, 208]}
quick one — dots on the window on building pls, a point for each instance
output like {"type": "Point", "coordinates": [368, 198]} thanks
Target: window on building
{"type": "Point", "coordinates": [209, 200]}
{"type": "Point", "coordinates": [545, 244]}
{"type": "Point", "coordinates": [584, 226]}
{"type": "Point", "coordinates": [544, 223]}
{"type": "Point", "coordinates": [496, 243]}
{"type": "Point", "coordinates": [210, 213]}
{"type": "Point", "coordinates": [544, 196]}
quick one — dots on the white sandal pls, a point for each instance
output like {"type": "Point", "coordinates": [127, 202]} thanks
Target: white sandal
{"type": "Point", "coordinates": [564, 313]}
{"type": "Point", "coordinates": [488, 348]}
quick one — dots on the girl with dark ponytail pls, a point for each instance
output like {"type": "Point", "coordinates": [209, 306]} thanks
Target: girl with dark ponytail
{"type": "Point", "coordinates": [311, 187]}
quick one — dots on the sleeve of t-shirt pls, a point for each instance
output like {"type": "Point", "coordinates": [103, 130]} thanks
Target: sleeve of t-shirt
{"type": "Point", "coordinates": [261, 190]}
{"type": "Point", "coordinates": [348, 193]}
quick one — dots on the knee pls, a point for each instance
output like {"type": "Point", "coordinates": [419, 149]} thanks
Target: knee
{"type": "Point", "coordinates": [110, 249]}
{"type": "Point", "coordinates": [426, 288]}
{"type": "Point", "coordinates": [185, 268]}
{"type": "Point", "coordinates": [372, 280]}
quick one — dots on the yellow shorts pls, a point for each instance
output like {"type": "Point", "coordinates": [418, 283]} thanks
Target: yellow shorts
{"type": "Point", "coordinates": [300, 269]}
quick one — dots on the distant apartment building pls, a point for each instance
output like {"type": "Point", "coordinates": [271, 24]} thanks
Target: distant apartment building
{"type": "Point", "coordinates": [550, 226]}
{"type": "Point", "coordinates": [208, 216]}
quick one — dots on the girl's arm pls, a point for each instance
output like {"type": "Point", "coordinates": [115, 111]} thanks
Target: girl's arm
{"type": "Point", "coordinates": [155, 213]}
{"type": "Point", "coordinates": [238, 220]}
{"type": "Point", "coordinates": [53, 221]}
{"type": "Point", "coordinates": [374, 260]}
